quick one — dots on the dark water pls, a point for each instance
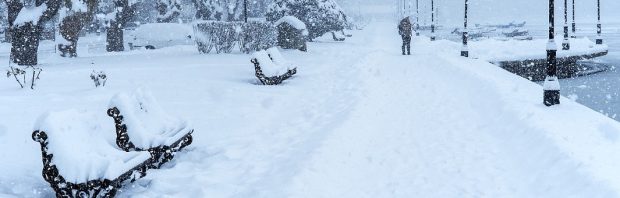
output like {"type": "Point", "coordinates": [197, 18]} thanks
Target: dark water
{"type": "Point", "coordinates": [599, 91]}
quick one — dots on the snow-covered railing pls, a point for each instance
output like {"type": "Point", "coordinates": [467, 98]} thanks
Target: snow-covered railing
{"type": "Point", "coordinates": [142, 125]}
{"type": "Point", "coordinates": [271, 68]}
{"type": "Point", "coordinates": [78, 159]}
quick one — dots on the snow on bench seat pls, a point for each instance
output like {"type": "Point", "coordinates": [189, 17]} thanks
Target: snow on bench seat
{"type": "Point", "coordinates": [84, 150]}
{"type": "Point", "coordinates": [269, 67]}
{"type": "Point", "coordinates": [148, 125]}
{"type": "Point", "coordinates": [278, 59]}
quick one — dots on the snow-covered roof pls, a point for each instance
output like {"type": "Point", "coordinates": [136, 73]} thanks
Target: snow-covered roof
{"type": "Point", "coordinates": [83, 145]}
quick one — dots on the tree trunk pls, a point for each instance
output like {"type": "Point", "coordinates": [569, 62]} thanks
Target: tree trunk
{"type": "Point", "coordinates": [115, 38]}
{"type": "Point", "coordinates": [70, 31]}
{"type": "Point", "coordinates": [72, 25]}
{"type": "Point", "coordinates": [7, 35]}
{"type": "Point", "coordinates": [25, 43]}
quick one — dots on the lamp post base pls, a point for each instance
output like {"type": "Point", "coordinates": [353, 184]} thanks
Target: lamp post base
{"type": "Point", "coordinates": [551, 88]}
{"type": "Point", "coordinates": [465, 53]}
{"type": "Point", "coordinates": [552, 97]}
{"type": "Point", "coordinates": [565, 45]}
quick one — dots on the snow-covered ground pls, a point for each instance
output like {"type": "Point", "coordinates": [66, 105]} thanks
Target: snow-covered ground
{"type": "Point", "coordinates": [358, 120]}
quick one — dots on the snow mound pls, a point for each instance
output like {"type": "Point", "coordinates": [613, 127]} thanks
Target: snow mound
{"type": "Point", "coordinates": [148, 125]}
{"type": "Point", "coordinates": [83, 149]}
{"type": "Point", "coordinates": [269, 67]}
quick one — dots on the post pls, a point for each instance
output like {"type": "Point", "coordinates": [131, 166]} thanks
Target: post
{"type": "Point", "coordinates": [566, 42]}
{"type": "Point", "coordinates": [245, 10]}
{"type": "Point", "coordinates": [404, 8]}
{"type": "Point", "coordinates": [433, 20]}
{"type": "Point", "coordinates": [465, 50]}
{"type": "Point", "coordinates": [417, 19]}
{"type": "Point", "coordinates": [574, 35]}
{"type": "Point", "coordinates": [599, 28]}
{"type": "Point", "coordinates": [551, 85]}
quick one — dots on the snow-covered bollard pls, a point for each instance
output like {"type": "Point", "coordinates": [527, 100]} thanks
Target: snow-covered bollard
{"type": "Point", "coordinates": [271, 68]}
{"type": "Point", "coordinates": [141, 125]}
{"type": "Point", "coordinates": [79, 161]}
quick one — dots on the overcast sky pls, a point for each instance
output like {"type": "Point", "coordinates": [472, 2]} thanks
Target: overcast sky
{"type": "Point", "coordinates": [491, 11]}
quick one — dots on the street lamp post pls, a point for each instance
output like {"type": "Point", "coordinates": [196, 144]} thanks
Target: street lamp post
{"type": "Point", "coordinates": [405, 8]}
{"type": "Point", "coordinates": [417, 19]}
{"type": "Point", "coordinates": [551, 85]}
{"type": "Point", "coordinates": [465, 50]}
{"type": "Point", "coordinates": [245, 10]}
{"type": "Point", "coordinates": [574, 35]}
{"type": "Point", "coordinates": [432, 20]}
{"type": "Point", "coordinates": [566, 42]}
{"type": "Point", "coordinates": [599, 28]}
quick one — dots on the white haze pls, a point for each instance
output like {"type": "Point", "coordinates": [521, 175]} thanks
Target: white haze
{"type": "Point", "coordinates": [489, 11]}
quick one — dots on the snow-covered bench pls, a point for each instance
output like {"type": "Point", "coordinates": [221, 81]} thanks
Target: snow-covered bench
{"type": "Point", "coordinates": [338, 37]}
{"type": "Point", "coordinates": [271, 68]}
{"type": "Point", "coordinates": [80, 159]}
{"type": "Point", "coordinates": [142, 125]}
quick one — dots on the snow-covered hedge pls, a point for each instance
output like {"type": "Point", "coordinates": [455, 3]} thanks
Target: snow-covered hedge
{"type": "Point", "coordinates": [216, 34]}
{"type": "Point", "coordinates": [258, 36]}
{"type": "Point", "coordinates": [223, 36]}
{"type": "Point", "coordinates": [292, 33]}
{"type": "Point", "coordinates": [320, 16]}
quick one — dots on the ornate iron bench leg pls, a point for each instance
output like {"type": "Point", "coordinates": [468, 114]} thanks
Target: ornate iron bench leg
{"type": "Point", "coordinates": [92, 188]}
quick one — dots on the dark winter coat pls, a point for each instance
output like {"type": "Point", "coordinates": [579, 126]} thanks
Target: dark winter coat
{"type": "Point", "coordinates": [405, 27]}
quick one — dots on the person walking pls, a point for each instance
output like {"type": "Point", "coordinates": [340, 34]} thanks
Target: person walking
{"type": "Point", "coordinates": [405, 31]}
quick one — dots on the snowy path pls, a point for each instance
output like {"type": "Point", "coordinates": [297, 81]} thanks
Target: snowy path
{"type": "Point", "coordinates": [359, 120]}
{"type": "Point", "coordinates": [416, 133]}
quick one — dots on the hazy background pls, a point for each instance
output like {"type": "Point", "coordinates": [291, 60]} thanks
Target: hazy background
{"type": "Point", "coordinates": [487, 11]}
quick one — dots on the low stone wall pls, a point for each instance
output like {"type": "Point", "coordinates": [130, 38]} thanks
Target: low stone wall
{"type": "Point", "coordinates": [534, 69]}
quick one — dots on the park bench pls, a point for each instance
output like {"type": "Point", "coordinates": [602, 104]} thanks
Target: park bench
{"type": "Point", "coordinates": [79, 158]}
{"type": "Point", "coordinates": [142, 125]}
{"type": "Point", "coordinates": [340, 36]}
{"type": "Point", "coordinates": [271, 68]}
